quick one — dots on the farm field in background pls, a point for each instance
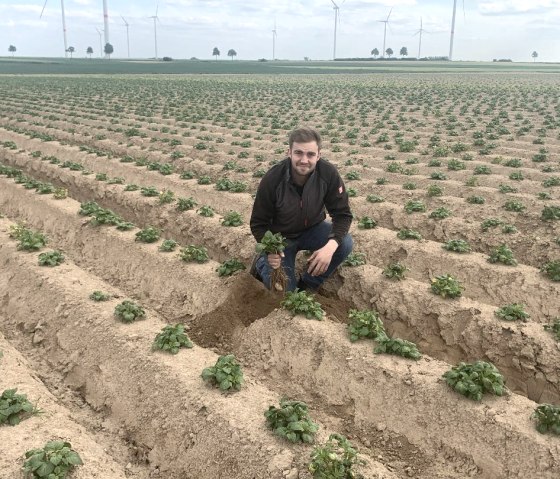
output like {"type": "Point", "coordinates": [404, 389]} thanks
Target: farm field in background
{"type": "Point", "coordinates": [145, 183]}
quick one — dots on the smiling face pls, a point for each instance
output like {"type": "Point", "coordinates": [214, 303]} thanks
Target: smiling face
{"type": "Point", "coordinates": [304, 158]}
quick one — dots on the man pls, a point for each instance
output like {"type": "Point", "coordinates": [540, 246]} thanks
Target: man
{"type": "Point", "coordinates": [291, 200]}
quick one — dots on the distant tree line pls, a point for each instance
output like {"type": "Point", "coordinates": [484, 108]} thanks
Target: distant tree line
{"type": "Point", "coordinates": [216, 53]}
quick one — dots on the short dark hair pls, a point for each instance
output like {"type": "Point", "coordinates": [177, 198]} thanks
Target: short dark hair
{"type": "Point", "coordinates": [304, 135]}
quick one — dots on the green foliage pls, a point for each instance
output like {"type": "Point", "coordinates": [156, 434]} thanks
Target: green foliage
{"type": "Point", "coordinates": [407, 233]}
{"type": "Point", "coordinates": [335, 460]}
{"type": "Point", "coordinates": [353, 175]}
{"type": "Point", "coordinates": [233, 218]}
{"type": "Point", "coordinates": [476, 200]}
{"type": "Point", "coordinates": [473, 380]}
{"type": "Point", "coordinates": [171, 339]}
{"type": "Point", "coordinates": [271, 243]}
{"type": "Point", "coordinates": [409, 186]}
{"type": "Point", "coordinates": [184, 204]}
{"type": "Point", "coordinates": [99, 296]}
{"type": "Point", "coordinates": [440, 213]}
{"type": "Point", "coordinates": [54, 461]}
{"type": "Point", "coordinates": [226, 374]}
{"type": "Point", "coordinates": [490, 223]}
{"type": "Point", "coordinates": [456, 165]}
{"type": "Point", "coordinates": [291, 421]}
{"type": "Point", "coordinates": [129, 311]}
{"type": "Point", "coordinates": [434, 190]}
{"type": "Point", "coordinates": [502, 254]}
{"type": "Point", "coordinates": [124, 225]}
{"type": "Point", "coordinates": [355, 259]}
{"type": "Point", "coordinates": [375, 199]}
{"type": "Point", "coordinates": [397, 347]}
{"type": "Point", "coordinates": [29, 240]}
{"type": "Point", "coordinates": [206, 211]}
{"type": "Point", "coordinates": [367, 223]}
{"type": "Point", "coordinates": [413, 206]}
{"type": "Point", "coordinates": [168, 245]}
{"type": "Point", "coordinates": [458, 246]}
{"type": "Point", "coordinates": [166, 197]}
{"type": "Point", "coordinates": [554, 328]}
{"type": "Point", "coordinates": [482, 170]}
{"type": "Point", "coordinates": [438, 175]}
{"type": "Point", "coordinates": [148, 235]}
{"type": "Point", "coordinates": [364, 324]}
{"type": "Point", "coordinates": [230, 266]}
{"type": "Point", "coordinates": [303, 303]}
{"type": "Point", "coordinates": [513, 205]}
{"type": "Point", "coordinates": [550, 213]}
{"type": "Point", "coordinates": [552, 270]}
{"type": "Point", "coordinates": [395, 271]}
{"type": "Point", "coordinates": [507, 229]}
{"type": "Point", "coordinates": [512, 312]}
{"type": "Point", "coordinates": [51, 258]}
{"type": "Point", "coordinates": [149, 191]}
{"type": "Point", "coordinates": [446, 286]}
{"type": "Point", "coordinates": [15, 407]}
{"type": "Point", "coordinates": [506, 188]}
{"type": "Point", "coordinates": [548, 418]}
{"type": "Point", "coordinates": [194, 254]}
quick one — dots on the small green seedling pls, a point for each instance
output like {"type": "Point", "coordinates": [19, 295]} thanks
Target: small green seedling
{"type": "Point", "coordinates": [14, 407]}
{"type": "Point", "coordinates": [129, 311]}
{"type": "Point", "coordinates": [552, 270]}
{"type": "Point", "coordinates": [184, 204]}
{"type": "Point", "coordinates": [335, 460]}
{"type": "Point", "coordinates": [446, 286]}
{"type": "Point", "coordinates": [99, 296]}
{"type": "Point", "coordinates": [233, 218]}
{"type": "Point", "coordinates": [397, 347]}
{"type": "Point", "coordinates": [375, 199]}
{"type": "Point", "coordinates": [291, 421]}
{"type": "Point", "coordinates": [413, 206]}
{"type": "Point", "coordinates": [548, 419]}
{"type": "Point", "coordinates": [554, 328]}
{"type": "Point", "coordinates": [51, 258]}
{"type": "Point", "coordinates": [355, 259]}
{"type": "Point", "coordinates": [149, 191]}
{"type": "Point", "coordinates": [148, 235]}
{"type": "Point", "coordinates": [473, 380]}
{"type": "Point", "coordinates": [395, 271]}
{"type": "Point", "coordinates": [440, 213]}
{"type": "Point", "coordinates": [31, 240]}
{"type": "Point", "coordinates": [458, 246]}
{"type": "Point", "coordinates": [229, 267]}
{"type": "Point", "coordinates": [512, 312]}
{"type": "Point", "coordinates": [407, 233]}
{"type": "Point", "coordinates": [503, 255]}
{"type": "Point", "coordinates": [303, 303]}
{"type": "Point", "coordinates": [166, 197]}
{"type": "Point", "coordinates": [226, 374]}
{"type": "Point", "coordinates": [367, 223]}
{"type": "Point", "coordinates": [168, 245]}
{"type": "Point", "coordinates": [205, 211]}
{"type": "Point", "coordinates": [550, 213]}
{"type": "Point", "coordinates": [171, 339]}
{"type": "Point", "coordinates": [364, 325]}
{"type": "Point", "coordinates": [54, 461]}
{"type": "Point", "coordinates": [490, 223]}
{"type": "Point", "coordinates": [194, 254]}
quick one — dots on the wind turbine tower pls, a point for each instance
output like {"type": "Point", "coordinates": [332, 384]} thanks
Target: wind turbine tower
{"type": "Point", "coordinates": [452, 30]}
{"type": "Point", "coordinates": [155, 17]}
{"type": "Point", "coordinates": [127, 39]}
{"type": "Point", "coordinates": [336, 9]}
{"type": "Point", "coordinates": [420, 38]}
{"type": "Point", "coordinates": [386, 21]}
{"type": "Point", "coordinates": [106, 24]}
{"type": "Point", "coordinates": [63, 25]}
{"type": "Point", "coordinates": [274, 42]}
{"type": "Point", "coordinates": [100, 44]}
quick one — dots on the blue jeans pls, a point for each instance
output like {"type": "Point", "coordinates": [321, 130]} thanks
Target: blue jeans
{"type": "Point", "coordinates": [312, 239]}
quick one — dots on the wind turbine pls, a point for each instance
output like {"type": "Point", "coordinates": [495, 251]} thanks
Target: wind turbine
{"type": "Point", "coordinates": [106, 25]}
{"type": "Point", "coordinates": [274, 42]}
{"type": "Point", "coordinates": [420, 42]}
{"type": "Point", "coordinates": [155, 17]}
{"type": "Point", "coordinates": [336, 9]}
{"type": "Point", "coordinates": [386, 21]}
{"type": "Point", "coordinates": [453, 28]}
{"type": "Point", "coordinates": [63, 25]}
{"type": "Point", "coordinates": [100, 45]}
{"type": "Point", "coordinates": [127, 40]}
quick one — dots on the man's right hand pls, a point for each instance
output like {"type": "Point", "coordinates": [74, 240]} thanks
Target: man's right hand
{"type": "Point", "coordinates": [275, 260]}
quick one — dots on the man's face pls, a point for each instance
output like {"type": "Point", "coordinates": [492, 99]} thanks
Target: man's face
{"type": "Point", "coordinates": [304, 157]}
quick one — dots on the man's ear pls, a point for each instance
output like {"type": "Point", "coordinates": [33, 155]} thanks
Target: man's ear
{"type": "Point", "coordinates": [289, 152]}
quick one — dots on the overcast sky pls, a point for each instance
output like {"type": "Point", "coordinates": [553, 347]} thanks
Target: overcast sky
{"type": "Point", "coordinates": [484, 29]}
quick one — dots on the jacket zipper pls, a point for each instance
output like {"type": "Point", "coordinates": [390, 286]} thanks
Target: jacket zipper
{"type": "Point", "coordinates": [301, 208]}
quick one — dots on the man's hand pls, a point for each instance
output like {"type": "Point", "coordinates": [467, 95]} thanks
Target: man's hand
{"type": "Point", "coordinates": [319, 261]}
{"type": "Point", "coordinates": [275, 260]}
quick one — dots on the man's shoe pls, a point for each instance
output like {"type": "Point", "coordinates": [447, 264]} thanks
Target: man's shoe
{"type": "Point", "coordinates": [253, 270]}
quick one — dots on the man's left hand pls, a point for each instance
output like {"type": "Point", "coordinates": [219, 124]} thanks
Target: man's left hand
{"type": "Point", "coordinates": [319, 261]}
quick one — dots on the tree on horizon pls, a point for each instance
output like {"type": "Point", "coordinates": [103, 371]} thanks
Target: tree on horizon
{"type": "Point", "coordinates": [375, 52]}
{"type": "Point", "coordinates": [534, 55]}
{"type": "Point", "coordinates": [71, 50]}
{"type": "Point", "coordinates": [216, 52]}
{"type": "Point", "coordinates": [404, 52]}
{"type": "Point", "coordinates": [12, 49]}
{"type": "Point", "coordinates": [89, 51]}
{"type": "Point", "coordinates": [108, 49]}
{"type": "Point", "coordinates": [231, 53]}
{"type": "Point", "coordinates": [389, 52]}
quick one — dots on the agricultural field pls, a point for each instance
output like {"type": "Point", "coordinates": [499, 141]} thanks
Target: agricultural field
{"type": "Point", "coordinates": [130, 323]}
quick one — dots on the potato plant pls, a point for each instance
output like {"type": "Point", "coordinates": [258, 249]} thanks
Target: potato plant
{"type": "Point", "coordinates": [336, 459]}
{"type": "Point", "coordinates": [168, 245]}
{"type": "Point", "coordinates": [512, 312]}
{"type": "Point", "coordinates": [473, 380]}
{"type": "Point", "coordinates": [458, 246]}
{"type": "Point", "coordinates": [55, 460]}
{"type": "Point", "coordinates": [51, 258]}
{"type": "Point", "coordinates": [206, 211]}
{"type": "Point", "coordinates": [148, 235]}
{"type": "Point", "coordinates": [229, 267]}
{"type": "Point", "coordinates": [128, 312]}
{"type": "Point", "coordinates": [364, 325]}
{"type": "Point", "coordinates": [414, 206]}
{"type": "Point", "coordinates": [291, 421]}
{"type": "Point", "coordinates": [396, 271]}
{"type": "Point", "coordinates": [232, 218]}
{"type": "Point", "coordinates": [171, 339]}
{"type": "Point", "coordinates": [355, 259]}
{"type": "Point", "coordinates": [274, 243]}
{"type": "Point", "coordinates": [547, 418]}
{"type": "Point", "coordinates": [440, 213]}
{"type": "Point", "coordinates": [446, 286]}
{"type": "Point", "coordinates": [185, 204]}
{"type": "Point", "coordinates": [226, 374]}
{"type": "Point", "coordinates": [397, 347]}
{"type": "Point", "coordinates": [552, 270]}
{"type": "Point", "coordinates": [550, 213]}
{"type": "Point", "coordinates": [503, 255]}
{"type": "Point", "coordinates": [29, 240]}
{"type": "Point", "coordinates": [15, 407]}
{"type": "Point", "coordinates": [367, 223]}
{"type": "Point", "coordinates": [407, 233]}
{"type": "Point", "coordinates": [302, 303]}
{"type": "Point", "coordinates": [99, 296]}
{"type": "Point", "coordinates": [194, 254]}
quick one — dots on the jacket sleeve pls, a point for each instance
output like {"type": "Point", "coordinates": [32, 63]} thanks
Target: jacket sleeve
{"type": "Point", "coordinates": [263, 208]}
{"type": "Point", "coordinates": [338, 207]}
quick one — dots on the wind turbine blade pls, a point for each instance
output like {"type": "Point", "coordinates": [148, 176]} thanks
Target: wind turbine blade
{"type": "Point", "coordinates": [41, 16]}
{"type": "Point", "coordinates": [157, 7]}
{"type": "Point", "coordinates": [464, 14]}
{"type": "Point", "coordinates": [125, 22]}
{"type": "Point", "coordinates": [390, 11]}
{"type": "Point", "coordinates": [335, 5]}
